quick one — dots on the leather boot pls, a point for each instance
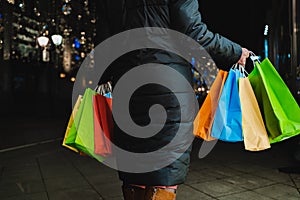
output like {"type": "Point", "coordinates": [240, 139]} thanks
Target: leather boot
{"type": "Point", "coordinates": [153, 193]}
{"type": "Point", "coordinates": [133, 193]}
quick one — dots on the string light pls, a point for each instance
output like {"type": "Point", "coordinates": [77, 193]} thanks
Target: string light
{"type": "Point", "coordinates": [74, 23]}
{"type": "Point", "coordinates": [66, 9]}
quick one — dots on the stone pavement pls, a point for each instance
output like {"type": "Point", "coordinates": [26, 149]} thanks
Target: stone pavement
{"type": "Point", "coordinates": [48, 171]}
{"type": "Point", "coordinates": [18, 130]}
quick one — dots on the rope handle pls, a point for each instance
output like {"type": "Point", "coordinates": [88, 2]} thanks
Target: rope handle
{"type": "Point", "coordinates": [254, 58]}
{"type": "Point", "coordinates": [104, 88]}
{"type": "Point", "coordinates": [241, 68]}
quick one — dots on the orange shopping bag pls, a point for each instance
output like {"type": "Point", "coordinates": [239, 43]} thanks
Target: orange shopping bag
{"type": "Point", "coordinates": [205, 117]}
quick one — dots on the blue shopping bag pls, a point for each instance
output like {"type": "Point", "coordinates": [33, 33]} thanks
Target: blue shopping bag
{"type": "Point", "coordinates": [227, 125]}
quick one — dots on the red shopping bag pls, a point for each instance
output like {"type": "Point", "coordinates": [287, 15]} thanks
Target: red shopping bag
{"type": "Point", "coordinates": [103, 124]}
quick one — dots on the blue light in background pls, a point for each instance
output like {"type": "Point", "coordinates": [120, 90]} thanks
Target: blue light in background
{"type": "Point", "coordinates": [1, 16]}
{"type": "Point", "coordinates": [193, 62]}
{"type": "Point", "coordinates": [266, 48]}
{"type": "Point", "coordinates": [77, 43]}
{"type": "Point", "coordinates": [77, 57]}
{"type": "Point", "coordinates": [199, 83]}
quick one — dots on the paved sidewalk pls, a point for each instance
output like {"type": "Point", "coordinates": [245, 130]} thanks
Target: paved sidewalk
{"type": "Point", "coordinates": [48, 171]}
{"type": "Point", "coordinates": [24, 130]}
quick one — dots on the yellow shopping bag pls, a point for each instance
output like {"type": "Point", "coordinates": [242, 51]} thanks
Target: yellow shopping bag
{"type": "Point", "coordinates": [253, 127]}
{"type": "Point", "coordinates": [70, 123]}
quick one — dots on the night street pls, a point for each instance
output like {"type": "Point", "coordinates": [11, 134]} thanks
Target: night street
{"type": "Point", "coordinates": [44, 45]}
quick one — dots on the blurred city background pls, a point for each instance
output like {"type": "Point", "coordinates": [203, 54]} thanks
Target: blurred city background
{"type": "Point", "coordinates": [43, 43]}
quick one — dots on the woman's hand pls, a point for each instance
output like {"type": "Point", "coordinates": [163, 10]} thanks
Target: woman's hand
{"type": "Point", "coordinates": [244, 56]}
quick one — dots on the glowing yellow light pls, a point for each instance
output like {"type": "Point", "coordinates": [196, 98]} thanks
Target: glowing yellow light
{"type": "Point", "coordinates": [11, 1]}
{"type": "Point", "coordinates": [62, 75]}
{"type": "Point", "coordinates": [73, 79]}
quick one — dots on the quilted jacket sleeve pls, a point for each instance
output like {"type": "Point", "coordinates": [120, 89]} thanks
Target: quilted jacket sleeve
{"type": "Point", "coordinates": [186, 18]}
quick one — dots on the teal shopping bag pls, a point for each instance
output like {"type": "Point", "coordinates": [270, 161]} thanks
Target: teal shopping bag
{"type": "Point", "coordinates": [81, 134]}
{"type": "Point", "coordinates": [227, 125]}
{"type": "Point", "coordinates": [280, 111]}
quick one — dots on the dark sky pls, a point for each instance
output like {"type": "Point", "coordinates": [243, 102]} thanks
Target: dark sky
{"type": "Point", "coordinates": [240, 21]}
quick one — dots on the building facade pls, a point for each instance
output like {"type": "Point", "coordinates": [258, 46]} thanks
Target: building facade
{"type": "Point", "coordinates": [24, 72]}
{"type": "Point", "coordinates": [283, 41]}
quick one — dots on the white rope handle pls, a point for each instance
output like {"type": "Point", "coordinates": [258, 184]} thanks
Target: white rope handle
{"type": "Point", "coordinates": [104, 88]}
{"type": "Point", "coordinates": [241, 68]}
{"type": "Point", "coordinates": [254, 58]}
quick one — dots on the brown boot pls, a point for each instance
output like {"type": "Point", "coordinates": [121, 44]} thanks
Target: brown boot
{"type": "Point", "coordinates": [133, 193]}
{"type": "Point", "coordinates": [153, 193]}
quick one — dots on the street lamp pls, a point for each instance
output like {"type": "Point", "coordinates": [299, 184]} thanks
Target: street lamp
{"type": "Point", "coordinates": [43, 42]}
{"type": "Point", "coordinates": [56, 39]}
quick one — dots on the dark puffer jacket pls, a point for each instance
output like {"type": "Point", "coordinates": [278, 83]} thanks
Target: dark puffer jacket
{"type": "Point", "coordinates": [180, 15]}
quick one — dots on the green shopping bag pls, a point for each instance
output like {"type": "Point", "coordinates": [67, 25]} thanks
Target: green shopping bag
{"type": "Point", "coordinates": [280, 111]}
{"type": "Point", "coordinates": [81, 134]}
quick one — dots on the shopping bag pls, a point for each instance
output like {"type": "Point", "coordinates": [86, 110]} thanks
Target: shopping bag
{"type": "Point", "coordinates": [204, 119]}
{"type": "Point", "coordinates": [227, 123]}
{"type": "Point", "coordinates": [254, 130]}
{"type": "Point", "coordinates": [280, 111]}
{"type": "Point", "coordinates": [81, 135]}
{"type": "Point", "coordinates": [103, 124]}
{"type": "Point", "coordinates": [70, 123]}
